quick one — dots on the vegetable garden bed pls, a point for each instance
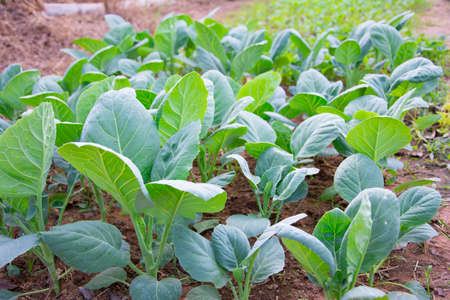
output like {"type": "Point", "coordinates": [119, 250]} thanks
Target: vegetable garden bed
{"type": "Point", "coordinates": [168, 165]}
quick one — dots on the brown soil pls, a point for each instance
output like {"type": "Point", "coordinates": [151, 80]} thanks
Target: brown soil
{"type": "Point", "coordinates": [34, 40]}
{"type": "Point", "coordinates": [436, 20]}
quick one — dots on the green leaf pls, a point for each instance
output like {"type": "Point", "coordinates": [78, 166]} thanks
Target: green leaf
{"type": "Point", "coordinates": [120, 122]}
{"type": "Point", "coordinates": [309, 251]}
{"type": "Point", "coordinates": [8, 73]}
{"type": "Point", "coordinates": [67, 132]}
{"type": "Point", "coordinates": [251, 225]}
{"type": "Point", "coordinates": [348, 52]}
{"type": "Point", "coordinates": [145, 287]}
{"type": "Point", "coordinates": [426, 121]}
{"type": "Point", "coordinates": [291, 183]}
{"type": "Point", "coordinates": [88, 246]}
{"type": "Point", "coordinates": [416, 182]}
{"type": "Point", "coordinates": [254, 180]}
{"type": "Point", "coordinates": [368, 103]}
{"type": "Point", "coordinates": [208, 40]}
{"type": "Point", "coordinates": [315, 134]}
{"type": "Point", "coordinates": [379, 137]}
{"type": "Point", "coordinates": [89, 96]}
{"type": "Point", "coordinates": [332, 110]}
{"type": "Point", "coordinates": [416, 234]}
{"type": "Point", "coordinates": [61, 109]}
{"type": "Point", "coordinates": [385, 223]}
{"type": "Point", "coordinates": [273, 157]}
{"type": "Point", "coordinates": [165, 36]}
{"type": "Point", "coordinates": [280, 42]}
{"type": "Point", "coordinates": [103, 57]}
{"type": "Point", "coordinates": [247, 60]}
{"type": "Point", "coordinates": [357, 238]}
{"type": "Point", "coordinates": [261, 89]}
{"type": "Point", "coordinates": [386, 39]}
{"type": "Point", "coordinates": [106, 278]}
{"type": "Point", "coordinates": [405, 52]}
{"type": "Point", "coordinates": [415, 70]}
{"type": "Point", "coordinates": [71, 79]}
{"type": "Point", "coordinates": [206, 225]}
{"type": "Point", "coordinates": [305, 103]}
{"type": "Point", "coordinates": [405, 103]}
{"type": "Point", "coordinates": [269, 260]}
{"type": "Point", "coordinates": [230, 246]}
{"type": "Point", "coordinates": [331, 228]}
{"type": "Point", "coordinates": [18, 86]}
{"type": "Point", "coordinates": [203, 292]}
{"type": "Point", "coordinates": [418, 205]}
{"type": "Point", "coordinates": [185, 103]}
{"type": "Point", "coordinates": [27, 151]}
{"type": "Point", "coordinates": [224, 136]}
{"type": "Point", "coordinates": [175, 158]}
{"type": "Point", "coordinates": [89, 44]}
{"type": "Point", "coordinates": [258, 130]}
{"type": "Point", "coordinates": [355, 174]}
{"type": "Point", "coordinates": [223, 180]}
{"type": "Point", "coordinates": [364, 292]}
{"type": "Point", "coordinates": [12, 248]}
{"type": "Point", "coordinates": [196, 256]}
{"type": "Point", "coordinates": [8, 295]}
{"type": "Point", "coordinates": [347, 96]}
{"type": "Point", "coordinates": [109, 170]}
{"type": "Point", "coordinates": [312, 81]}
{"type": "Point", "coordinates": [184, 198]}
{"type": "Point", "coordinates": [223, 95]}
{"type": "Point", "coordinates": [235, 109]}
{"type": "Point", "coordinates": [418, 290]}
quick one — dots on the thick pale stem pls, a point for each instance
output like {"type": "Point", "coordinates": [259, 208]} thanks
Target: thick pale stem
{"type": "Point", "coordinates": [147, 255]}
{"type": "Point", "coordinates": [99, 199]}
{"type": "Point", "coordinates": [247, 286]}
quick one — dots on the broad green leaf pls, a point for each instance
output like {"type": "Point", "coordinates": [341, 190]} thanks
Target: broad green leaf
{"type": "Point", "coordinates": [223, 95]}
{"type": "Point", "coordinates": [103, 57]}
{"type": "Point", "coordinates": [405, 52]}
{"type": "Point", "coordinates": [314, 134]}
{"type": "Point", "coordinates": [368, 103]}
{"type": "Point", "coordinates": [114, 21]}
{"type": "Point", "coordinates": [310, 252]}
{"type": "Point", "coordinates": [77, 54]}
{"type": "Point", "coordinates": [165, 36]}
{"type": "Point", "coordinates": [12, 248]}
{"type": "Point", "coordinates": [8, 295]}
{"type": "Point", "coordinates": [269, 260]}
{"type": "Point", "coordinates": [26, 156]}
{"type": "Point", "coordinates": [224, 136]}
{"type": "Point", "coordinates": [8, 73]}
{"type": "Point", "coordinates": [254, 180]}
{"type": "Point", "coordinates": [364, 293]}
{"type": "Point", "coordinates": [261, 88]}
{"type": "Point", "coordinates": [208, 40]}
{"type": "Point", "coordinates": [142, 80]}
{"type": "Point", "coordinates": [426, 121]}
{"type": "Point", "coordinates": [332, 110]}
{"type": "Point", "coordinates": [208, 119]}
{"type": "Point", "coordinates": [145, 287]}
{"type": "Point", "coordinates": [415, 70]}
{"type": "Point", "coordinates": [300, 43]}
{"type": "Point", "coordinates": [348, 52]}
{"type": "Point", "coordinates": [386, 39]}
{"type": "Point", "coordinates": [416, 234]}
{"type": "Point", "coordinates": [355, 174]}
{"type": "Point", "coordinates": [305, 103]}
{"type": "Point", "coordinates": [272, 157]}
{"type": "Point", "coordinates": [251, 225]}
{"type": "Point", "coordinates": [347, 96]}
{"type": "Point", "coordinates": [235, 109]}
{"type": "Point", "coordinates": [385, 223]}
{"type": "Point", "coordinates": [18, 86]}
{"type": "Point", "coordinates": [109, 170]}
{"type": "Point", "coordinates": [279, 43]}
{"type": "Point", "coordinates": [176, 156]}
{"type": "Point", "coordinates": [184, 198]}
{"type": "Point", "coordinates": [418, 290]}
{"type": "Point", "coordinates": [106, 278]}
{"type": "Point", "coordinates": [185, 103]}
{"type": "Point", "coordinates": [379, 83]}
{"type": "Point", "coordinates": [418, 205]}
{"type": "Point", "coordinates": [71, 79]}
{"type": "Point", "coordinates": [89, 96]}
{"type": "Point", "coordinates": [291, 182]}
{"type": "Point", "coordinates": [331, 228]}
{"type": "Point", "coordinates": [67, 132]}
{"type": "Point", "coordinates": [415, 182]}
{"type": "Point", "coordinates": [247, 60]}
{"type": "Point", "coordinates": [255, 149]}
{"type": "Point", "coordinates": [49, 83]}
{"type": "Point", "coordinates": [120, 122]}
{"type": "Point", "coordinates": [196, 256]}
{"type": "Point", "coordinates": [379, 137]}
{"type": "Point", "coordinates": [230, 246]}
{"type": "Point", "coordinates": [312, 81]}
{"type": "Point", "coordinates": [88, 246]}
{"type": "Point", "coordinates": [405, 103]}
{"type": "Point", "coordinates": [203, 292]}
{"type": "Point", "coordinates": [357, 238]}
{"type": "Point", "coordinates": [60, 108]}
{"type": "Point", "coordinates": [258, 130]}
{"type": "Point", "coordinates": [222, 180]}
{"type": "Point", "coordinates": [89, 44]}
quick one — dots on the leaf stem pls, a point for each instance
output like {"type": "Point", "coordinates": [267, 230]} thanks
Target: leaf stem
{"type": "Point", "coordinates": [99, 199]}
{"type": "Point", "coordinates": [135, 268]}
{"type": "Point", "coordinates": [247, 286]}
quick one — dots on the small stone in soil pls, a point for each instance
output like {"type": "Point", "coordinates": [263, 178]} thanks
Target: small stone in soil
{"type": "Point", "coordinates": [87, 294]}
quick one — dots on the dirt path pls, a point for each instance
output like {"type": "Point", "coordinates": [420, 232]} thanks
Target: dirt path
{"type": "Point", "coordinates": [436, 20]}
